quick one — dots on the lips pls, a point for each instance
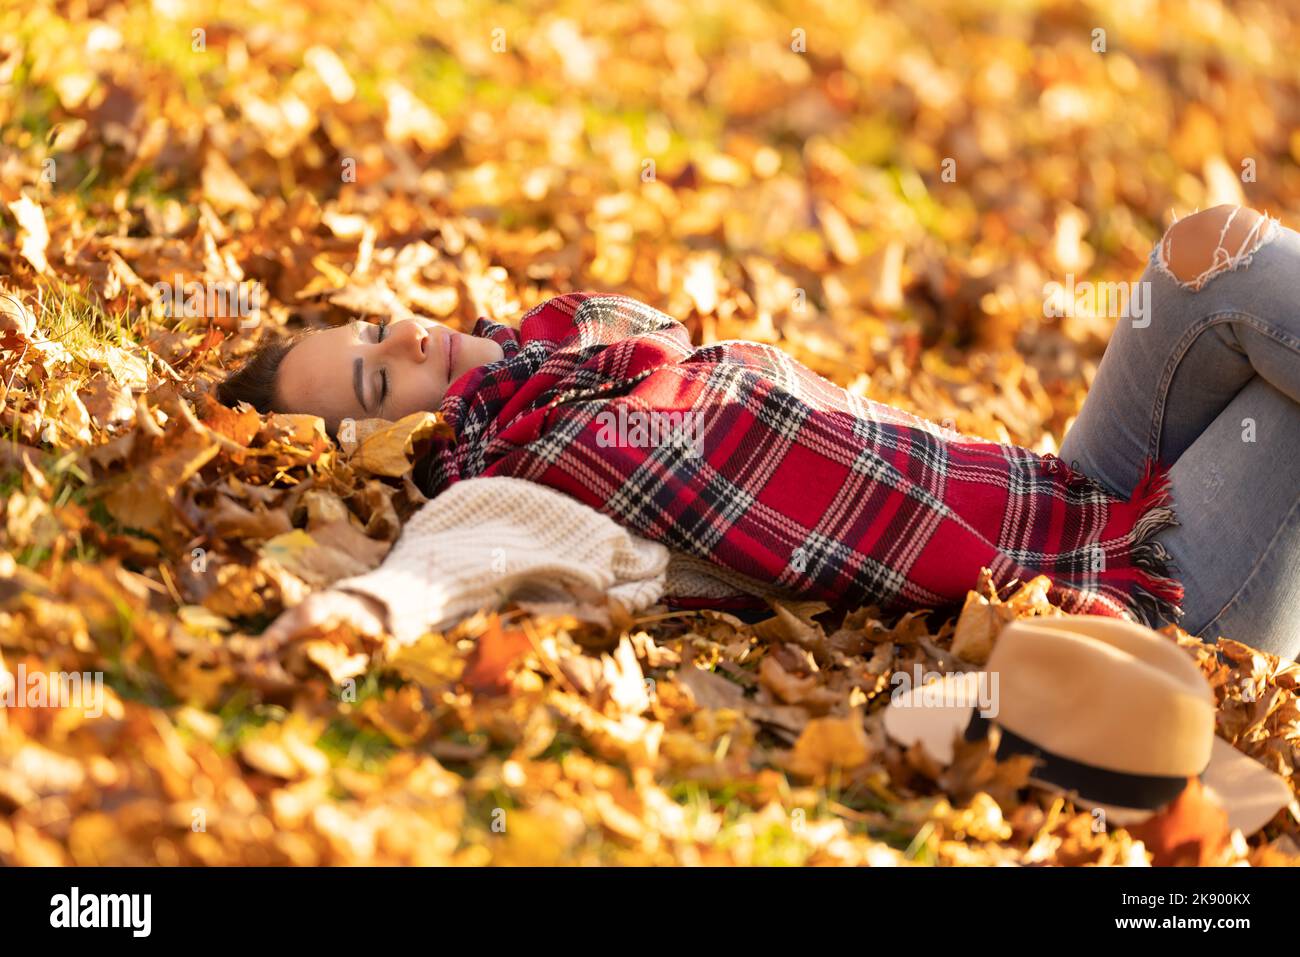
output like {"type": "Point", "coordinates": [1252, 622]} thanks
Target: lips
{"type": "Point", "coordinates": [451, 352]}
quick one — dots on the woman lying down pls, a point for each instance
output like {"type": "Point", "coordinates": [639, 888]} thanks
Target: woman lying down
{"type": "Point", "coordinates": [595, 441]}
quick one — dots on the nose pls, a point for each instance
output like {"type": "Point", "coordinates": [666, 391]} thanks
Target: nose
{"type": "Point", "coordinates": [408, 339]}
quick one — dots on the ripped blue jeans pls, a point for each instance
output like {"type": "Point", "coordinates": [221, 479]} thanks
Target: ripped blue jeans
{"type": "Point", "coordinates": [1207, 381]}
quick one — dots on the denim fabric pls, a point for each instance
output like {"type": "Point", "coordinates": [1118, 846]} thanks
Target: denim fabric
{"type": "Point", "coordinates": [1207, 381]}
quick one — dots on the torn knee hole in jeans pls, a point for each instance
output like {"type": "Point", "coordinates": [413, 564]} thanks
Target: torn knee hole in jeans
{"type": "Point", "coordinates": [1232, 250]}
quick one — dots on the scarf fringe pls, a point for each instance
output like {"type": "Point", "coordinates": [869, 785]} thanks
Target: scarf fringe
{"type": "Point", "coordinates": [1156, 596]}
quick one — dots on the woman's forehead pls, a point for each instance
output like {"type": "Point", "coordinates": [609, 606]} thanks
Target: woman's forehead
{"type": "Point", "coordinates": [314, 374]}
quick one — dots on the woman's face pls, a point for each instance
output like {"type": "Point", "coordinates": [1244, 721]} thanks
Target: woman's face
{"type": "Point", "coordinates": [367, 370]}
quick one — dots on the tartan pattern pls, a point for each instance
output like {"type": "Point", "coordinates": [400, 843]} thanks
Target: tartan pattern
{"type": "Point", "coordinates": [801, 484]}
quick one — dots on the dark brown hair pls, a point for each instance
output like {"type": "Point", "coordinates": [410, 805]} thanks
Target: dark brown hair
{"type": "Point", "coordinates": [254, 381]}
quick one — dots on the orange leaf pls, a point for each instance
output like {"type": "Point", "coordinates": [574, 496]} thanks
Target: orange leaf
{"type": "Point", "coordinates": [489, 664]}
{"type": "Point", "coordinates": [1191, 829]}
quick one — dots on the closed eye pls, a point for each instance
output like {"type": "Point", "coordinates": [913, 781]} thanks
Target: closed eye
{"type": "Point", "coordinates": [360, 331]}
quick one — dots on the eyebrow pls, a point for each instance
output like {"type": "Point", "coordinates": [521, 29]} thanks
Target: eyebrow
{"type": "Point", "coordinates": [356, 383]}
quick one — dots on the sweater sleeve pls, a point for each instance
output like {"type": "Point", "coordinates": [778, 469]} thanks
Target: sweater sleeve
{"type": "Point", "coordinates": [486, 540]}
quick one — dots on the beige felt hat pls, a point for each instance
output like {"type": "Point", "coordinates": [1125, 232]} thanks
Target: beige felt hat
{"type": "Point", "coordinates": [1119, 716]}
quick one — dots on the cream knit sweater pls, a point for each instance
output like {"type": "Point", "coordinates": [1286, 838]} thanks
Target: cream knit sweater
{"type": "Point", "coordinates": [487, 540]}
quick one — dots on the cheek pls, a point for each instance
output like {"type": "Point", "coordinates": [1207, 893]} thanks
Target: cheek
{"type": "Point", "coordinates": [416, 392]}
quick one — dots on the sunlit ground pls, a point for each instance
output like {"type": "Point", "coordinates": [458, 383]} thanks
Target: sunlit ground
{"type": "Point", "coordinates": [883, 190]}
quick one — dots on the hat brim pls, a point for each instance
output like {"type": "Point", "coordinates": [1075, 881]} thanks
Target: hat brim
{"type": "Point", "coordinates": [1248, 791]}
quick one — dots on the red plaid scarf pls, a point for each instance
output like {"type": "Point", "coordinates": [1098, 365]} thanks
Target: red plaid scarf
{"type": "Point", "coordinates": [793, 481]}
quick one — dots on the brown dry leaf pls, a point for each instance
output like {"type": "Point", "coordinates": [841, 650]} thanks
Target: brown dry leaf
{"type": "Point", "coordinates": [498, 650]}
{"type": "Point", "coordinates": [786, 686]}
{"type": "Point", "coordinates": [107, 402]}
{"type": "Point", "coordinates": [978, 627]}
{"type": "Point", "coordinates": [335, 660]}
{"type": "Point", "coordinates": [238, 426]}
{"type": "Point", "coordinates": [222, 186]}
{"type": "Point", "coordinates": [622, 681]}
{"type": "Point", "coordinates": [433, 661]}
{"type": "Point", "coordinates": [793, 622]}
{"type": "Point", "coordinates": [231, 520]}
{"type": "Point", "coordinates": [29, 522]}
{"type": "Point", "coordinates": [34, 234]}
{"type": "Point", "coordinates": [15, 318]}
{"type": "Point", "coordinates": [1190, 830]}
{"type": "Point", "coordinates": [143, 501]}
{"type": "Point", "coordinates": [325, 555]}
{"type": "Point", "coordinates": [975, 769]}
{"type": "Point", "coordinates": [829, 743]}
{"type": "Point", "coordinates": [389, 450]}
{"type": "Point", "coordinates": [708, 690]}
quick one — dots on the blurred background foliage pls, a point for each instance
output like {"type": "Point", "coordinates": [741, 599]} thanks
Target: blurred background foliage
{"type": "Point", "coordinates": [883, 189]}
